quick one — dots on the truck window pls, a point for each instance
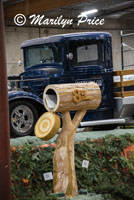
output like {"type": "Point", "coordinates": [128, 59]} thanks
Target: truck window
{"type": "Point", "coordinates": [47, 53]}
{"type": "Point", "coordinates": [85, 52]}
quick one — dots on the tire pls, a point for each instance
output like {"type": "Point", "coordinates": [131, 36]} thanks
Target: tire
{"type": "Point", "coordinates": [23, 116]}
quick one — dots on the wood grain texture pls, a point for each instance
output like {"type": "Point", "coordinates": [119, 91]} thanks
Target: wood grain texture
{"type": "Point", "coordinates": [123, 72]}
{"type": "Point", "coordinates": [65, 97]}
{"type": "Point", "coordinates": [47, 126]}
{"type": "Point", "coordinates": [124, 94]}
{"type": "Point", "coordinates": [123, 83]}
{"type": "Point", "coordinates": [63, 160]}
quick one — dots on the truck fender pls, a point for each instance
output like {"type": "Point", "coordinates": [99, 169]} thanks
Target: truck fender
{"type": "Point", "coordinates": [14, 95]}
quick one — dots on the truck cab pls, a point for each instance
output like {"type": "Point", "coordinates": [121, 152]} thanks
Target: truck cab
{"type": "Point", "coordinates": [68, 58]}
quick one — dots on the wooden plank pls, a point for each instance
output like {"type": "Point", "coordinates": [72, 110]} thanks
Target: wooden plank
{"type": "Point", "coordinates": [124, 94]}
{"type": "Point", "coordinates": [123, 72]}
{"type": "Point", "coordinates": [117, 94]}
{"type": "Point", "coordinates": [127, 83]}
{"type": "Point", "coordinates": [122, 88]}
{"type": "Point", "coordinates": [124, 83]}
{"type": "Point", "coordinates": [117, 84]}
{"type": "Point", "coordinates": [34, 6]}
{"type": "Point", "coordinates": [127, 72]}
{"type": "Point", "coordinates": [117, 73]}
{"type": "Point", "coordinates": [128, 93]}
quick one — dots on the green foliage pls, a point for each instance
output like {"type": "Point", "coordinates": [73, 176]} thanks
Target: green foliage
{"type": "Point", "coordinates": [109, 172]}
{"type": "Point", "coordinates": [27, 167]}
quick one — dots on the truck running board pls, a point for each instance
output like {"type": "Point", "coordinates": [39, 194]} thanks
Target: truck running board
{"type": "Point", "coordinates": [103, 122]}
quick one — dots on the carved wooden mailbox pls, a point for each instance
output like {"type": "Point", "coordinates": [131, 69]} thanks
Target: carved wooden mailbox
{"type": "Point", "coordinates": [65, 98]}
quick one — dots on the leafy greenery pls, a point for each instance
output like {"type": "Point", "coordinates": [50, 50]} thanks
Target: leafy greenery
{"type": "Point", "coordinates": [27, 167]}
{"type": "Point", "coordinates": [109, 172]}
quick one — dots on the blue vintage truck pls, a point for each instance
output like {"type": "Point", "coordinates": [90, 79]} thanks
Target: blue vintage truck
{"type": "Point", "coordinates": [68, 58]}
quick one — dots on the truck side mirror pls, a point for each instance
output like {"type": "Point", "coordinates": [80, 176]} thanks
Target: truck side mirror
{"type": "Point", "coordinates": [70, 56]}
{"type": "Point", "coordinates": [20, 63]}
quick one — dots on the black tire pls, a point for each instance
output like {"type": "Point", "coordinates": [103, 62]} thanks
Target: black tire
{"type": "Point", "coordinates": [23, 116]}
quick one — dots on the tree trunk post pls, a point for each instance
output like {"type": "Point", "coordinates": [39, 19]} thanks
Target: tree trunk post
{"type": "Point", "coordinates": [64, 98]}
{"type": "Point", "coordinates": [63, 161]}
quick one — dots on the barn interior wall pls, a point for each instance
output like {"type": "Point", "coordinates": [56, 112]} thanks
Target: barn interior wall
{"type": "Point", "coordinates": [14, 36]}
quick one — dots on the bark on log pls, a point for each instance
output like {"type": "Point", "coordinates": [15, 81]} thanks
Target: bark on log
{"type": "Point", "coordinates": [69, 97]}
{"type": "Point", "coordinates": [63, 160]}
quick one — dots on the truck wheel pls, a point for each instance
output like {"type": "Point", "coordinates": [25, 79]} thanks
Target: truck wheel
{"type": "Point", "coordinates": [23, 116]}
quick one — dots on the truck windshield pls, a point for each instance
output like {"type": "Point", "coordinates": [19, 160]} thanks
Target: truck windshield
{"type": "Point", "coordinates": [46, 53]}
{"type": "Point", "coordinates": [85, 52]}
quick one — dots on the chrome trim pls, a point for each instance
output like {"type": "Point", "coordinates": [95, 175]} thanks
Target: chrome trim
{"type": "Point", "coordinates": [22, 119]}
{"type": "Point", "coordinates": [32, 79]}
{"type": "Point", "coordinates": [103, 122]}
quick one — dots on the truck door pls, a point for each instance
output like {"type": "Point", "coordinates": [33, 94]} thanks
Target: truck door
{"type": "Point", "coordinates": [87, 61]}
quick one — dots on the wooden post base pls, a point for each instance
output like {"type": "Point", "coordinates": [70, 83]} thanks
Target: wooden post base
{"type": "Point", "coordinates": [63, 160]}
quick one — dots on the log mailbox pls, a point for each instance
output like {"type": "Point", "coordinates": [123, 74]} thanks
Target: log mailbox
{"type": "Point", "coordinates": [65, 98]}
{"type": "Point", "coordinates": [72, 97]}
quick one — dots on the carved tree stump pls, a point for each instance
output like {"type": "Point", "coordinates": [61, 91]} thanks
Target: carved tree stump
{"type": "Point", "coordinates": [65, 98]}
{"type": "Point", "coordinates": [63, 161]}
